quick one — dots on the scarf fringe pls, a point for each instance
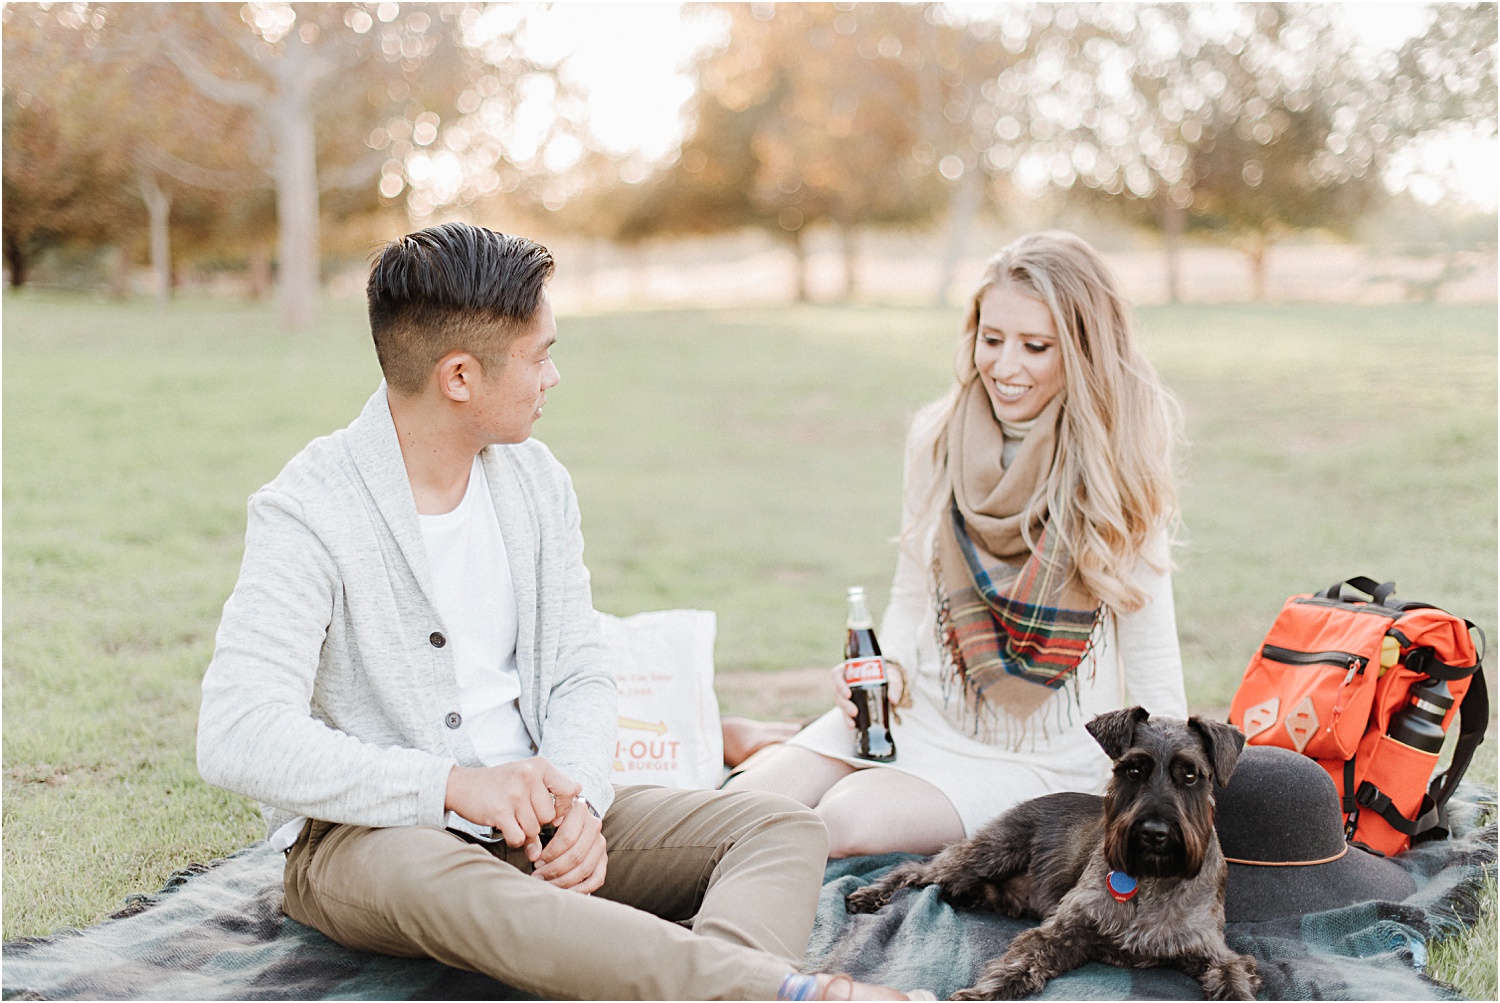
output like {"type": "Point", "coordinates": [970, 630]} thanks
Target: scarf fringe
{"type": "Point", "coordinates": [991, 722]}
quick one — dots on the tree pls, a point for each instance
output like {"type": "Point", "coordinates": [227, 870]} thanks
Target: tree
{"type": "Point", "coordinates": [338, 110]}
{"type": "Point", "coordinates": [62, 180]}
{"type": "Point", "coordinates": [280, 71]}
{"type": "Point", "coordinates": [1446, 74]}
{"type": "Point", "coordinates": [811, 114]}
{"type": "Point", "coordinates": [1290, 142]}
{"type": "Point", "coordinates": [379, 82]}
{"type": "Point", "coordinates": [1014, 93]}
{"type": "Point", "coordinates": [1256, 121]}
{"type": "Point", "coordinates": [131, 122]}
{"type": "Point", "coordinates": [53, 191]}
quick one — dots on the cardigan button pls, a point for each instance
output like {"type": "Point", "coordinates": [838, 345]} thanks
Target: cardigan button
{"type": "Point", "coordinates": [437, 639]}
{"type": "Point", "coordinates": [453, 719]}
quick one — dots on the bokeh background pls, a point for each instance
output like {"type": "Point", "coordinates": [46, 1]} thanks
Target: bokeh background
{"type": "Point", "coordinates": [767, 218]}
{"type": "Point", "coordinates": [811, 151]}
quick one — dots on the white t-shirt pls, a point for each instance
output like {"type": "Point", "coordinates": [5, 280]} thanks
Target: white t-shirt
{"type": "Point", "coordinates": [476, 601]}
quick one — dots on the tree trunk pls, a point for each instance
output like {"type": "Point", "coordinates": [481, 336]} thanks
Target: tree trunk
{"type": "Point", "coordinates": [965, 208]}
{"type": "Point", "coordinates": [295, 168]}
{"type": "Point", "coordinates": [258, 270]}
{"type": "Point", "coordinates": [1257, 251]}
{"type": "Point", "coordinates": [640, 270]}
{"type": "Point", "coordinates": [799, 265]}
{"type": "Point", "coordinates": [849, 244]}
{"type": "Point", "coordinates": [119, 273]}
{"type": "Point", "coordinates": [159, 214]}
{"type": "Point", "coordinates": [1173, 223]}
{"type": "Point", "coordinates": [15, 261]}
{"type": "Point", "coordinates": [593, 258]}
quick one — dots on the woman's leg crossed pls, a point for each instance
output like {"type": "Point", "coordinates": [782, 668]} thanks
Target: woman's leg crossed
{"type": "Point", "coordinates": [887, 811]}
{"type": "Point", "coordinates": [800, 774]}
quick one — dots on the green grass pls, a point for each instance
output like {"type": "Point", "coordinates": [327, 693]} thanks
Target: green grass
{"type": "Point", "coordinates": [1468, 962]}
{"type": "Point", "coordinates": [745, 461]}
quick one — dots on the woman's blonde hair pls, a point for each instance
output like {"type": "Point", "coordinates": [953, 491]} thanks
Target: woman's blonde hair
{"type": "Point", "coordinates": [1114, 482]}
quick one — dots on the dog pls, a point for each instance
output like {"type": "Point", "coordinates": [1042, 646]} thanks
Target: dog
{"type": "Point", "coordinates": [1134, 878]}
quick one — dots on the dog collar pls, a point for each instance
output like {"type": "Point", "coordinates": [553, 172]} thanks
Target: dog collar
{"type": "Point", "coordinates": [1122, 887]}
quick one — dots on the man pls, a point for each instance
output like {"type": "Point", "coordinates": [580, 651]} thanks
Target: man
{"type": "Point", "coordinates": [409, 676]}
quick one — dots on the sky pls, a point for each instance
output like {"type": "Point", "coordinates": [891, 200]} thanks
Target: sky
{"type": "Point", "coordinates": [633, 60]}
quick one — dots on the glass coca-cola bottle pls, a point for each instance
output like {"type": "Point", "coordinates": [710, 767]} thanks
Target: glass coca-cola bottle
{"type": "Point", "coordinates": [864, 671]}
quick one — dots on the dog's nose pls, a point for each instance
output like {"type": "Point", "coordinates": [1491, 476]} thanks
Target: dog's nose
{"type": "Point", "coordinates": [1154, 834]}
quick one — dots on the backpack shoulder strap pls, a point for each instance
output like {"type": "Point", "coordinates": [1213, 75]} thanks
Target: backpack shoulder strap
{"type": "Point", "coordinates": [1474, 718]}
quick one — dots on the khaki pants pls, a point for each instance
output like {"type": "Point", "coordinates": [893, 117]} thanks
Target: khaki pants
{"type": "Point", "coordinates": [744, 868]}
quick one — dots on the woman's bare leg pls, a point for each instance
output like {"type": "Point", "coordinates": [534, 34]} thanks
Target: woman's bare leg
{"type": "Point", "coordinates": [799, 773]}
{"type": "Point", "coordinates": [866, 810]}
{"type": "Point", "coordinates": [887, 811]}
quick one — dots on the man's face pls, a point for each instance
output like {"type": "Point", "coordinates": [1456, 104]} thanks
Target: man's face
{"type": "Point", "coordinates": [508, 397]}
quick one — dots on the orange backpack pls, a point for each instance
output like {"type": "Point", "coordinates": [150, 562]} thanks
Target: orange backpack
{"type": "Point", "coordinates": [1369, 688]}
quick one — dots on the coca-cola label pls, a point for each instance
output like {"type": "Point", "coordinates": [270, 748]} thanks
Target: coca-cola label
{"type": "Point", "coordinates": [863, 671]}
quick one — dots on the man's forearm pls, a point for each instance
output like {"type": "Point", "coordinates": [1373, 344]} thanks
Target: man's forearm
{"type": "Point", "coordinates": [579, 734]}
{"type": "Point", "coordinates": [299, 764]}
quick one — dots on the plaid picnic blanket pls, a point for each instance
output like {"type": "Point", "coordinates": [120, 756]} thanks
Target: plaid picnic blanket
{"type": "Point", "coordinates": [216, 932]}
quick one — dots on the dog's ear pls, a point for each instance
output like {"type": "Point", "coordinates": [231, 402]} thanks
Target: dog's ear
{"type": "Point", "coordinates": [1222, 742]}
{"type": "Point", "coordinates": [1115, 731]}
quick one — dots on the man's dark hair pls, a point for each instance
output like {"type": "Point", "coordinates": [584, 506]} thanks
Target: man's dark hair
{"type": "Point", "coordinates": [451, 288]}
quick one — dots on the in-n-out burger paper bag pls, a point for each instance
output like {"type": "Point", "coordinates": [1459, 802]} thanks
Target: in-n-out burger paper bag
{"type": "Point", "coordinates": [669, 717]}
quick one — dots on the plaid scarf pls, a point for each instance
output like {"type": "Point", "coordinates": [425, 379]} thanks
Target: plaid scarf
{"type": "Point", "coordinates": [1013, 623]}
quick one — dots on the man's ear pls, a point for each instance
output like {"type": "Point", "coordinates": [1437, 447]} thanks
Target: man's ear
{"type": "Point", "coordinates": [1115, 731]}
{"type": "Point", "coordinates": [456, 373]}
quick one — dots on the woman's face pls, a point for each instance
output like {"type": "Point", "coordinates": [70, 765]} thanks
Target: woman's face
{"type": "Point", "coordinates": [1017, 353]}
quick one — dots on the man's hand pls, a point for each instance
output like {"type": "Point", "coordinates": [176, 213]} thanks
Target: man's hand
{"type": "Point", "coordinates": [515, 798]}
{"type": "Point", "coordinates": [575, 856]}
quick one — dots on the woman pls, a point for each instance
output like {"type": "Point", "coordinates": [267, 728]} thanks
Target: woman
{"type": "Point", "coordinates": [1048, 466]}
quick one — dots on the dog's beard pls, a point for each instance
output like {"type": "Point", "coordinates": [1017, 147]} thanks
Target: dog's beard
{"type": "Point", "coordinates": [1197, 833]}
{"type": "Point", "coordinates": [1180, 857]}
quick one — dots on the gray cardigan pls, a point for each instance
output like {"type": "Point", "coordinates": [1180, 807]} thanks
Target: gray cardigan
{"type": "Point", "coordinates": [332, 694]}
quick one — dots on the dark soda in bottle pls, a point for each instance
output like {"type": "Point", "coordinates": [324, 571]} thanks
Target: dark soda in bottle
{"type": "Point", "coordinates": [864, 671]}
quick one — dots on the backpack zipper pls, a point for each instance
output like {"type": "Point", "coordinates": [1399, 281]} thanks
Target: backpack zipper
{"type": "Point", "coordinates": [1347, 659]}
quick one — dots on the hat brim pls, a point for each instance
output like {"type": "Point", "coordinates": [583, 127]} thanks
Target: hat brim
{"type": "Point", "coordinates": [1253, 893]}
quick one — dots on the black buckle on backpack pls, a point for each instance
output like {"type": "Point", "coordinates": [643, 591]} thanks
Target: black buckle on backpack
{"type": "Point", "coordinates": [1430, 822]}
{"type": "Point", "coordinates": [1371, 796]}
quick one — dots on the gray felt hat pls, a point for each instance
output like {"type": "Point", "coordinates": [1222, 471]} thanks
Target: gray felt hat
{"type": "Point", "coordinates": [1282, 832]}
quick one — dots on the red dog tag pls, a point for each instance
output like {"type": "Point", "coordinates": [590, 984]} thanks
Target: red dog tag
{"type": "Point", "coordinates": [1122, 887]}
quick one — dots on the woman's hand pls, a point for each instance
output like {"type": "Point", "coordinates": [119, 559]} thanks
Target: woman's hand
{"type": "Point", "coordinates": [843, 697]}
{"type": "Point", "coordinates": [744, 737]}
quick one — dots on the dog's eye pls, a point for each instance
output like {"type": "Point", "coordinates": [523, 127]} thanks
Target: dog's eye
{"type": "Point", "coordinates": [1135, 771]}
{"type": "Point", "coordinates": [1189, 778]}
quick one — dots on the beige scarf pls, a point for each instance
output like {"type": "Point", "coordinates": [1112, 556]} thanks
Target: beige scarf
{"type": "Point", "coordinates": [1013, 624]}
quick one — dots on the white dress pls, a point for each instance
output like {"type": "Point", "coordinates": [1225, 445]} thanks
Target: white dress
{"type": "Point", "coordinates": [1134, 660]}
